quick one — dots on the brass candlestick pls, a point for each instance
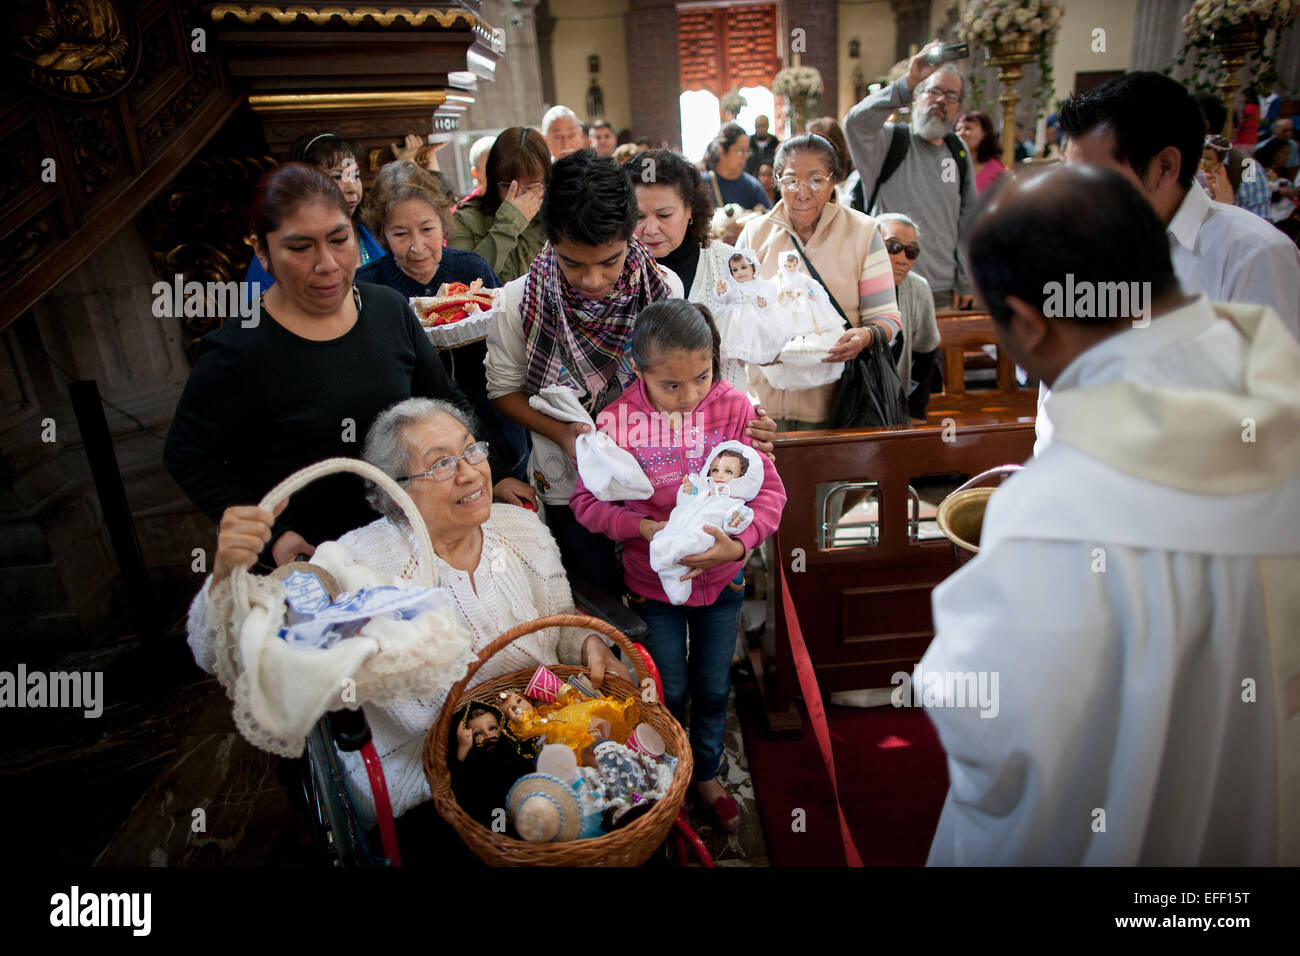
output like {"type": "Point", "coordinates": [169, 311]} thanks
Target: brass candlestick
{"type": "Point", "coordinates": [1009, 56]}
{"type": "Point", "coordinates": [1234, 44]}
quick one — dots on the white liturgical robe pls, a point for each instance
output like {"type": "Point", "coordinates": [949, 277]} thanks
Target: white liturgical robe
{"type": "Point", "coordinates": [1137, 595]}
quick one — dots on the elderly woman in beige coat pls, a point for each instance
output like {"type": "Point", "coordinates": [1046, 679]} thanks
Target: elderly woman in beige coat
{"type": "Point", "coordinates": [848, 252]}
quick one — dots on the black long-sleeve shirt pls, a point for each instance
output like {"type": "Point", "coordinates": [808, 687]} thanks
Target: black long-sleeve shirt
{"type": "Point", "coordinates": [262, 402]}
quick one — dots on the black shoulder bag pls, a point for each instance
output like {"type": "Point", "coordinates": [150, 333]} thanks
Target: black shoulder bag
{"type": "Point", "coordinates": [870, 393]}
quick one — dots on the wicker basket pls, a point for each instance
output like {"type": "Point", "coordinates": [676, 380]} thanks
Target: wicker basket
{"type": "Point", "coordinates": [631, 845]}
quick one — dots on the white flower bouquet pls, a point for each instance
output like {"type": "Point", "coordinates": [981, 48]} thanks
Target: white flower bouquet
{"type": "Point", "coordinates": [797, 81]}
{"type": "Point", "coordinates": [1207, 22]}
{"type": "Point", "coordinates": [1001, 21]}
{"type": "Point", "coordinates": [1208, 17]}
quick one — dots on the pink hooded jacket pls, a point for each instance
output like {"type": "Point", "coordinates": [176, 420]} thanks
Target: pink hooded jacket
{"type": "Point", "coordinates": [666, 457]}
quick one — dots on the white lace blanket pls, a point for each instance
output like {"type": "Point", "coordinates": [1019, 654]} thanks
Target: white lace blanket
{"type": "Point", "coordinates": [280, 691]}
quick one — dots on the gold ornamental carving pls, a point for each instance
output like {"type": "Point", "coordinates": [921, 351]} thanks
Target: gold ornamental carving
{"type": "Point", "coordinates": [80, 49]}
{"type": "Point", "coordinates": [283, 102]}
{"type": "Point", "coordinates": [285, 15]}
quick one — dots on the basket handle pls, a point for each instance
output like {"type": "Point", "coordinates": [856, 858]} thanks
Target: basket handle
{"type": "Point", "coordinates": [425, 573]}
{"type": "Point", "coordinates": [528, 627]}
{"type": "Point", "coordinates": [999, 470]}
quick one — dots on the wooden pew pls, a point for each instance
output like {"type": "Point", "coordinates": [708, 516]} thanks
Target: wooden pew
{"type": "Point", "coordinates": [962, 337]}
{"type": "Point", "coordinates": [865, 610]}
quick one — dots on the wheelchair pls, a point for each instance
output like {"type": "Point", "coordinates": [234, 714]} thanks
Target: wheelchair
{"type": "Point", "coordinates": [346, 838]}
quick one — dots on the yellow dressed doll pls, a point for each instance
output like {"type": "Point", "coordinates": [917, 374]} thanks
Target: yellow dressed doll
{"type": "Point", "coordinates": [575, 722]}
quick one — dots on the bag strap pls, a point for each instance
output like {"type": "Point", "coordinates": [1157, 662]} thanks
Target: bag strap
{"type": "Point", "coordinates": [958, 150]}
{"type": "Point", "coordinates": [812, 270]}
{"type": "Point", "coordinates": [812, 698]}
{"type": "Point", "coordinates": [717, 190]}
{"type": "Point", "coordinates": [898, 146]}
{"type": "Point", "coordinates": [902, 139]}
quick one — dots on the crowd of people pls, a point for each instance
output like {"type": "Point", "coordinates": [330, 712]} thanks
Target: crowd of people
{"type": "Point", "coordinates": [605, 257]}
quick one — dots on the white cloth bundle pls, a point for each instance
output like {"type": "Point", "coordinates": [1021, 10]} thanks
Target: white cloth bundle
{"type": "Point", "coordinates": [800, 364]}
{"type": "Point", "coordinates": [609, 472]}
{"type": "Point", "coordinates": [281, 689]}
{"type": "Point", "coordinates": [709, 502]}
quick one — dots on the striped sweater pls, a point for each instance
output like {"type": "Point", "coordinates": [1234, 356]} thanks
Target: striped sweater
{"type": "Point", "coordinates": [849, 253]}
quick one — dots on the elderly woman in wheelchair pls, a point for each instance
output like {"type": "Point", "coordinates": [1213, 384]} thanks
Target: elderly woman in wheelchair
{"type": "Point", "coordinates": [499, 562]}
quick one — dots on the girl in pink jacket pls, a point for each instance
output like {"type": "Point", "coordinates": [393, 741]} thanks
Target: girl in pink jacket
{"type": "Point", "coordinates": [676, 412]}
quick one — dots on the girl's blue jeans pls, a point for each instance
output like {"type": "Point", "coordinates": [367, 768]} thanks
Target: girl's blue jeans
{"type": "Point", "coordinates": [705, 674]}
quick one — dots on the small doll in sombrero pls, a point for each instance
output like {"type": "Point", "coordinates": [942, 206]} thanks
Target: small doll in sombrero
{"type": "Point", "coordinates": [489, 759]}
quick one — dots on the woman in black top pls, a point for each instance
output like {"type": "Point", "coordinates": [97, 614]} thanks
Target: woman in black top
{"type": "Point", "coordinates": [305, 377]}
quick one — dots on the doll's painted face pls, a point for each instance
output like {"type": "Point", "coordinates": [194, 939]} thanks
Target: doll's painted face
{"type": "Point", "coordinates": [741, 268]}
{"type": "Point", "coordinates": [726, 467]}
{"type": "Point", "coordinates": [517, 707]}
{"type": "Point", "coordinates": [790, 263]}
{"type": "Point", "coordinates": [486, 729]}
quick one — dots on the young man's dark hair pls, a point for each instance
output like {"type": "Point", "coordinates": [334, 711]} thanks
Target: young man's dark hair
{"type": "Point", "coordinates": [1212, 108]}
{"type": "Point", "coordinates": [1146, 112]}
{"type": "Point", "coordinates": [590, 200]}
{"type": "Point", "coordinates": [1022, 242]}
{"type": "Point", "coordinates": [601, 125]}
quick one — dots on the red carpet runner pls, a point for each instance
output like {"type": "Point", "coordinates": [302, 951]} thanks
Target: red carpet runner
{"type": "Point", "coordinates": [892, 781]}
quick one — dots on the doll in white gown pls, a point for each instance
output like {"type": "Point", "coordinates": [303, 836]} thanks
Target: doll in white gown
{"type": "Point", "coordinates": [805, 302]}
{"type": "Point", "coordinates": [816, 327]}
{"type": "Point", "coordinates": [745, 311]}
{"type": "Point", "coordinates": [716, 495]}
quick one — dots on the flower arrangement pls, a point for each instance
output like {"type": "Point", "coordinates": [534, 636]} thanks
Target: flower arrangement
{"type": "Point", "coordinates": [802, 85]}
{"type": "Point", "coordinates": [797, 81]}
{"type": "Point", "coordinates": [733, 103]}
{"type": "Point", "coordinates": [1206, 22]}
{"type": "Point", "coordinates": [1005, 21]}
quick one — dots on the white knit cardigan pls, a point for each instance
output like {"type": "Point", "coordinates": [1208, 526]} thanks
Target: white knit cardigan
{"type": "Point", "coordinates": [519, 577]}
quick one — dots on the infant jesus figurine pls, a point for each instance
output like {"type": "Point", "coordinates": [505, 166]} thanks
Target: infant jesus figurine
{"type": "Point", "coordinates": [575, 722]}
{"type": "Point", "coordinates": [732, 475]}
{"type": "Point", "coordinates": [489, 759]}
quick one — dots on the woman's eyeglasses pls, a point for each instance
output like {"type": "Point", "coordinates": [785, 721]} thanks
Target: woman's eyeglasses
{"type": "Point", "coordinates": [894, 247]}
{"type": "Point", "coordinates": [525, 190]}
{"type": "Point", "coordinates": [444, 468]}
{"type": "Point", "coordinates": [789, 184]}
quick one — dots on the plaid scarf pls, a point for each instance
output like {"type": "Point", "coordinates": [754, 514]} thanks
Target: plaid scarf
{"type": "Point", "coordinates": [566, 331]}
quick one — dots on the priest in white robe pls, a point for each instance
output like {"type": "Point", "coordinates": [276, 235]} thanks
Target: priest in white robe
{"type": "Point", "coordinates": [1137, 590]}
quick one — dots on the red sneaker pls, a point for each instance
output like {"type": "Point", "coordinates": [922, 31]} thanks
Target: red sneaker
{"type": "Point", "coordinates": [725, 812]}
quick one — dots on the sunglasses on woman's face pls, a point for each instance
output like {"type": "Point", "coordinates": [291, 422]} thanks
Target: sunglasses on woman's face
{"type": "Point", "coordinates": [894, 247]}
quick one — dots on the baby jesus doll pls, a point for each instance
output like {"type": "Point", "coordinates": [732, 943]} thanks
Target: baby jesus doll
{"type": "Point", "coordinates": [751, 326]}
{"type": "Point", "coordinates": [808, 307]}
{"type": "Point", "coordinates": [489, 759]}
{"type": "Point", "coordinates": [572, 720]}
{"type": "Point", "coordinates": [732, 475]}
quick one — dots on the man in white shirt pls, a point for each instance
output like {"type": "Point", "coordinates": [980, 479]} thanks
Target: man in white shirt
{"type": "Point", "coordinates": [1136, 598]}
{"type": "Point", "coordinates": [1148, 127]}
